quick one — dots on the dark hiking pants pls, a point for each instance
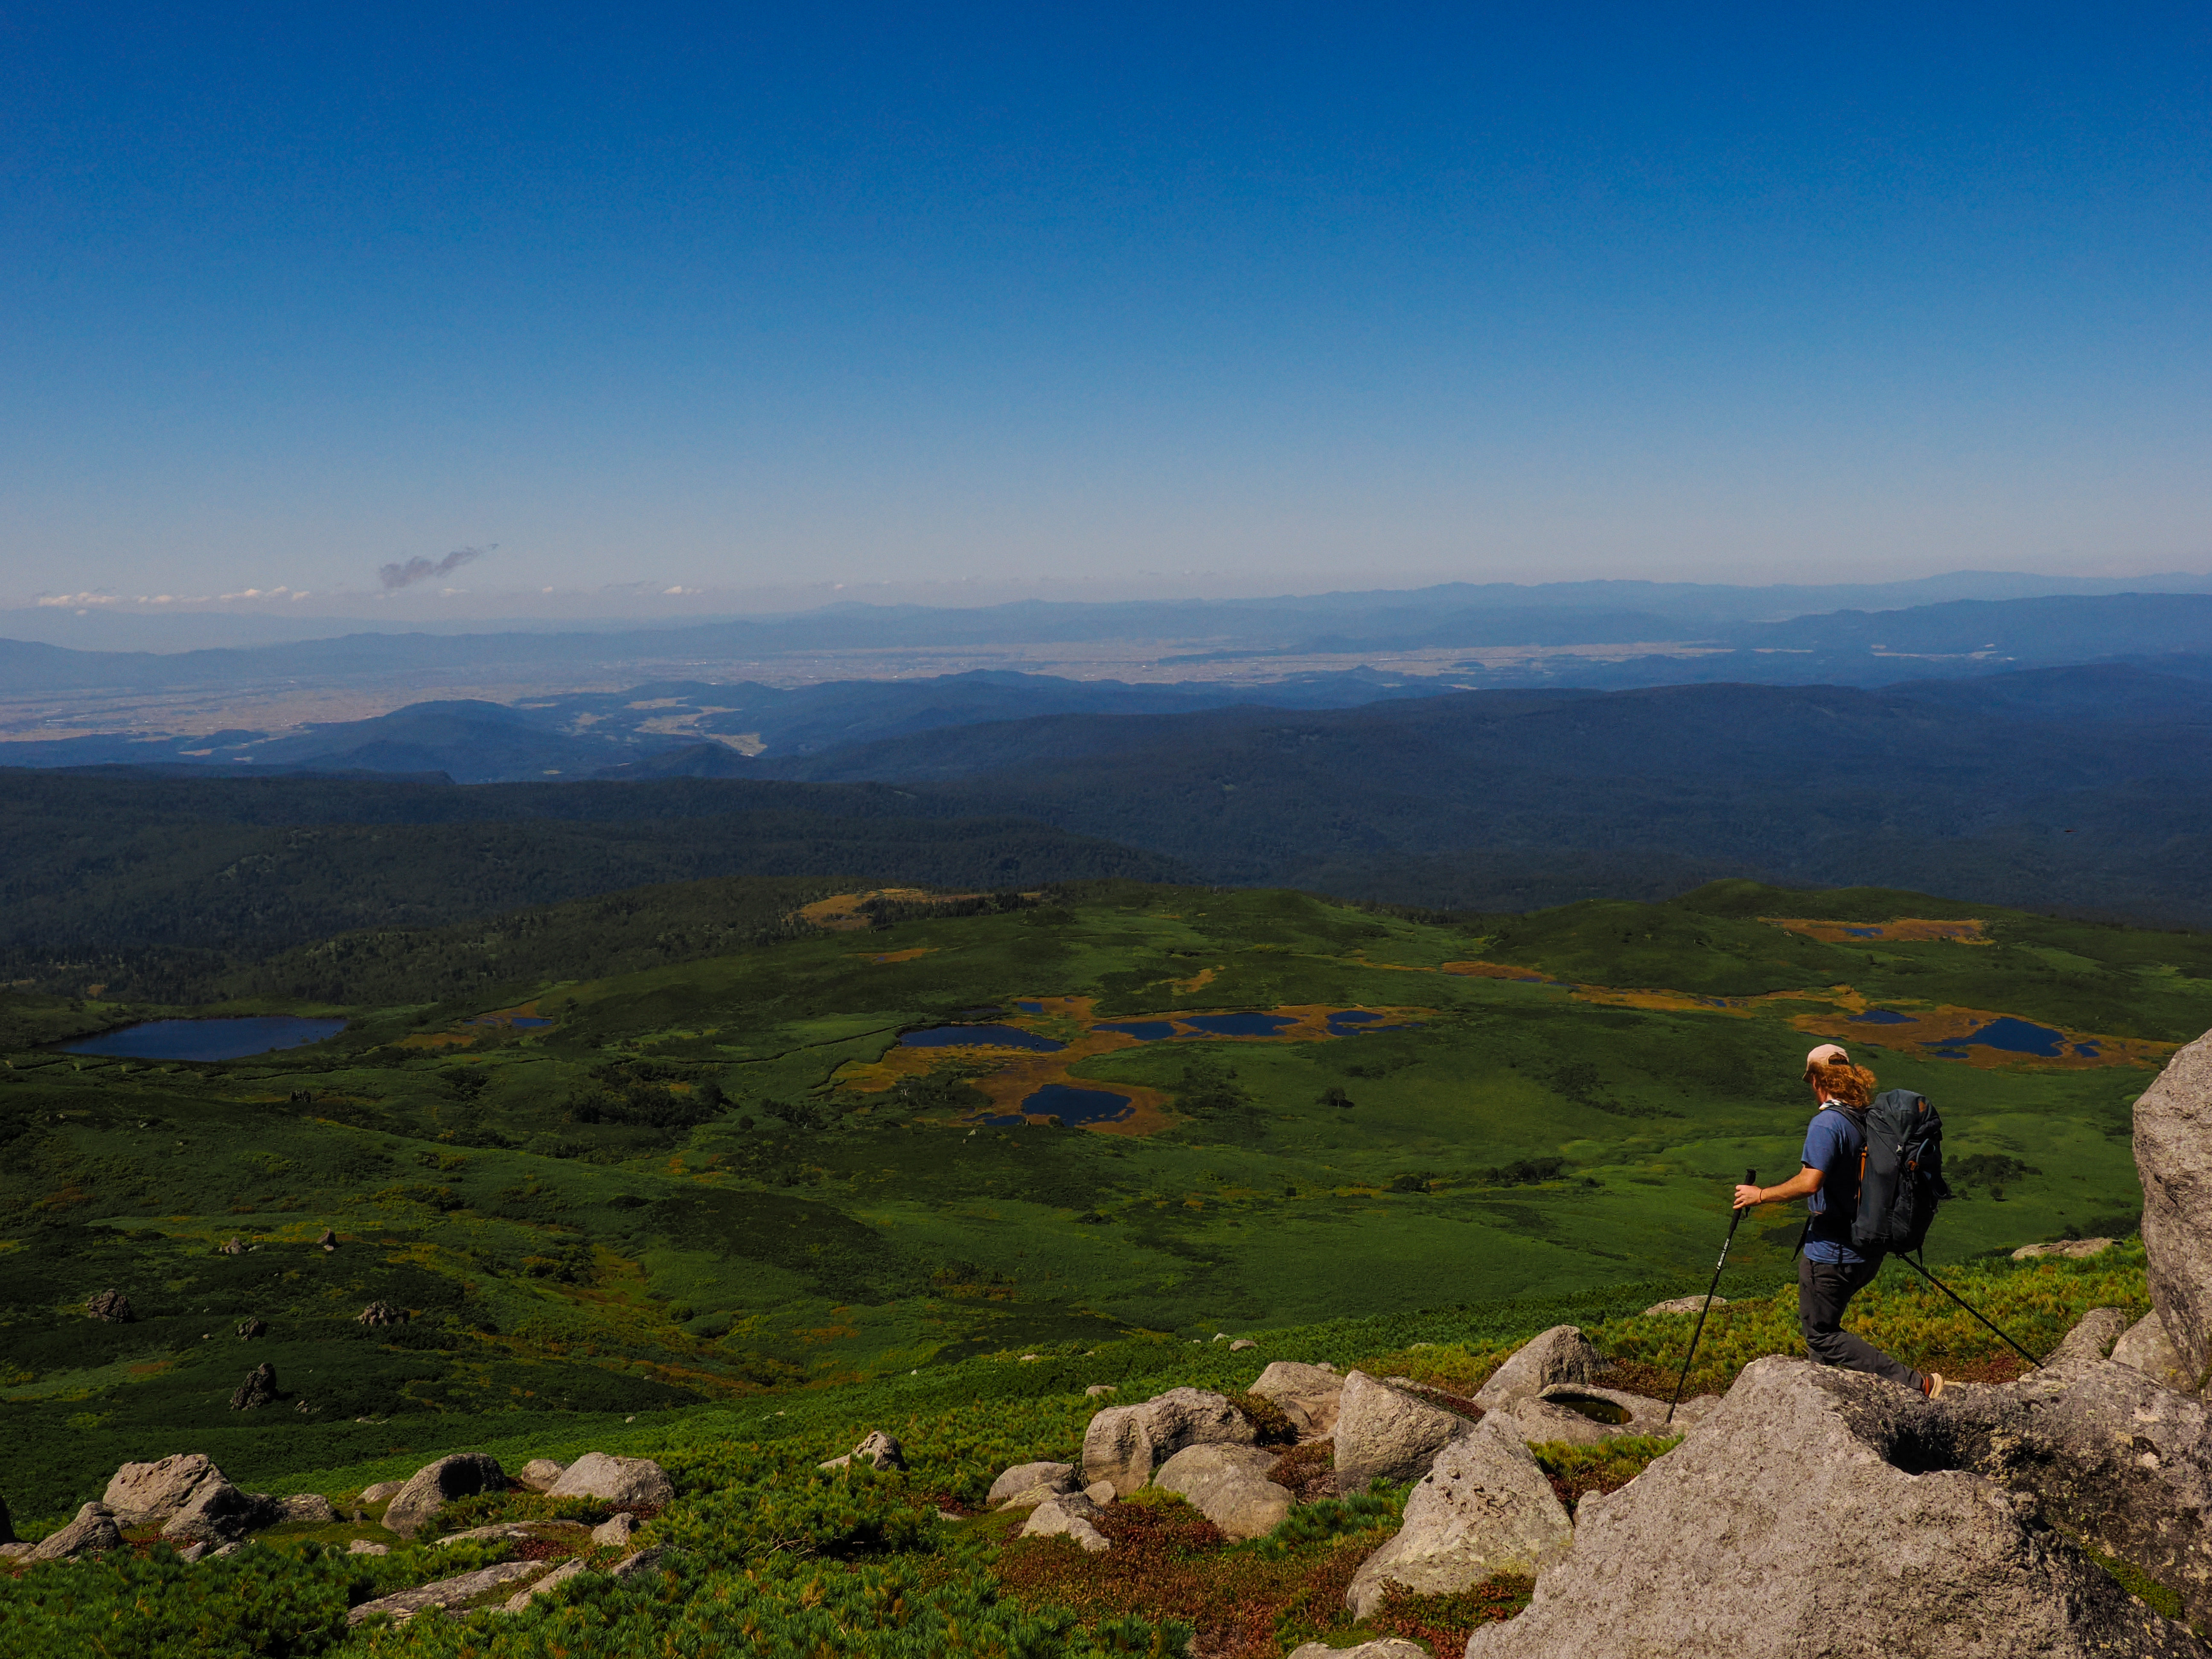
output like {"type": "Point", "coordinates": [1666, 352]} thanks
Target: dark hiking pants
{"type": "Point", "coordinates": [1824, 1289]}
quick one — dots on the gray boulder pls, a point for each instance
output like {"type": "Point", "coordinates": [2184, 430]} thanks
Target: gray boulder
{"type": "Point", "coordinates": [878, 1451]}
{"type": "Point", "coordinates": [364, 1546]}
{"type": "Point", "coordinates": [463, 1475]}
{"type": "Point", "coordinates": [1483, 1508]}
{"type": "Point", "coordinates": [308, 1506]}
{"type": "Point", "coordinates": [92, 1533]}
{"type": "Point", "coordinates": [142, 1494]}
{"type": "Point", "coordinates": [614, 1533]}
{"type": "Point", "coordinates": [537, 1474]}
{"type": "Point", "coordinates": [1229, 1485]}
{"type": "Point", "coordinates": [2076, 1249]}
{"type": "Point", "coordinates": [652, 1561]}
{"type": "Point", "coordinates": [219, 1513]}
{"type": "Point", "coordinates": [382, 1490]}
{"type": "Point", "coordinates": [1584, 1414]}
{"type": "Point", "coordinates": [1561, 1354]}
{"type": "Point", "coordinates": [403, 1605]}
{"type": "Point", "coordinates": [1683, 1305]}
{"type": "Point", "coordinates": [1383, 1647]}
{"type": "Point", "coordinates": [632, 1482]}
{"type": "Point", "coordinates": [259, 1390]}
{"type": "Point", "coordinates": [1384, 1435]}
{"type": "Point", "coordinates": [2173, 1157]}
{"type": "Point", "coordinates": [1125, 1443]}
{"type": "Point", "coordinates": [1727, 1548]}
{"type": "Point", "coordinates": [1017, 1482]}
{"type": "Point", "coordinates": [1070, 1515]}
{"type": "Point", "coordinates": [111, 1306]}
{"type": "Point", "coordinates": [2148, 1349]}
{"type": "Point", "coordinates": [249, 1330]}
{"type": "Point", "coordinates": [1308, 1395]}
{"type": "Point", "coordinates": [381, 1313]}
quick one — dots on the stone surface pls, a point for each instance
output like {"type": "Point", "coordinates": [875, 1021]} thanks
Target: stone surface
{"type": "Point", "coordinates": [2148, 1350]}
{"type": "Point", "coordinates": [308, 1506]}
{"type": "Point", "coordinates": [259, 1390]}
{"type": "Point", "coordinates": [571, 1532]}
{"type": "Point", "coordinates": [644, 1561]}
{"type": "Point", "coordinates": [192, 1552]}
{"type": "Point", "coordinates": [1240, 1344]}
{"type": "Point", "coordinates": [1067, 1516]}
{"type": "Point", "coordinates": [1308, 1395]}
{"type": "Point", "coordinates": [112, 1306]}
{"type": "Point", "coordinates": [634, 1482]}
{"type": "Point", "coordinates": [92, 1532]}
{"type": "Point", "coordinates": [366, 1547]}
{"type": "Point", "coordinates": [219, 1513]}
{"type": "Point", "coordinates": [1483, 1508]}
{"type": "Point", "coordinates": [463, 1475]}
{"type": "Point", "coordinates": [16, 1552]}
{"type": "Point", "coordinates": [614, 1533]}
{"type": "Point", "coordinates": [232, 1247]}
{"type": "Point", "coordinates": [1385, 1647]}
{"type": "Point", "coordinates": [1025, 1477]}
{"type": "Point", "coordinates": [1384, 1435]}
{"type": "Point", "coordinates": [1099, 1390]}
{"type": "Point", "coordinates": [1584, 1414]}
{"type": "Point", "coordinates": [878, 1451]}
{"type": "Point", "coordinates": [142, 1494]}
{"type": "Point", "coordinates": [539, 1473]}
{"type": "Point", "coordinates": [1728, 1547]}
{"type": "Point", "coordinates": [1684, 1304]}
{"type": "Point", "coordinates": [1125, 1443]}
{"type": "Point", "coordinates": [1101, 1492]}
{"type": "Point", "coordinates": [381, 1313]}
{"type": "Point", "coordinates": [382, 1490]}
{"type": "Point", "coordinates": [403, 1605]}
{"type": "Point", "coordinates": [1561, 1354]}
{"type": "Point", "coordinates": [248, 1329]}
{"type": "Point", "coordinates": [2173, 1157]}
{"type": "Point", "coordinates": [560, 1575]}
{"type": "Point", "coordinates": [2075, 1248]}
{"type": "Point", "coordinates": [1229, 1485]}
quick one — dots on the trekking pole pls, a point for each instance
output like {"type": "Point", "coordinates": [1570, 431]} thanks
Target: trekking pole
{"type": "Point", "coordinates": [1970, 1307]}
{"type": "Point", "coordinates": [1750, 1178]}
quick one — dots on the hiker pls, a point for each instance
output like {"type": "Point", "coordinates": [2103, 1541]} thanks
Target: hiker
{"type": "Point", "coordinates": [1833, 1269]}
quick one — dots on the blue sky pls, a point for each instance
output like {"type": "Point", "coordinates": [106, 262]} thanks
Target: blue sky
{"type": "Point", "coordinates": [720, 298]}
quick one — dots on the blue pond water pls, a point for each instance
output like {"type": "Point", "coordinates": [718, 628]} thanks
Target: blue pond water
{"type": "Point", "coordinates": [1239, 1024]}
{"type": "Point", "coordinates": [1145, 1030]}
{"type": "Point", "coordinates": [208, 1039]}
{"type": "Point", "coordinates": [2090, 1050]}
{"type": "Point", "coordinates": [2017, 1036]}
{"type": "Point", "coordinates": [1864, 933]}
{"type": "Point", "coordinates": [1950, 1053]}
{"type": "Point", "coordinates": [973, 1036]}
{"type": "Point", "coordinates": [524, 1022]}
{"type": "Point", "coordinates": [1352, 1021]}
{"type": "Point", "coordinates": [1883, 1016]}
{"type": "Point", "coordinates": [1031, 1007]}
{"type": "Point", "coordinates": [1071, 1105]}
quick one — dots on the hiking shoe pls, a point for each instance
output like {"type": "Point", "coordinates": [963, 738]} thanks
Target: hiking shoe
{"type": "Point", "coordinates": [1932, 1385]}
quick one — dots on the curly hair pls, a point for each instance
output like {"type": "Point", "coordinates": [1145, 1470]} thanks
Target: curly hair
{"type": "Point", "coordinates": [1851, 1085]}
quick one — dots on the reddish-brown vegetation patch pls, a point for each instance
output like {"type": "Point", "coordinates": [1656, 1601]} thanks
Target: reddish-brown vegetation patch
{"type": "Point", "coordinates": [1445, 1622]}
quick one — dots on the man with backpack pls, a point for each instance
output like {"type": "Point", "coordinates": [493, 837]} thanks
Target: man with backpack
{"type": "Point", "coordinates": [1843, 1244]}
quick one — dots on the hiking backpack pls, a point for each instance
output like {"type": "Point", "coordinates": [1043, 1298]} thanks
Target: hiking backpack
{"type": "Point", "coordinates": [1900, 1172]}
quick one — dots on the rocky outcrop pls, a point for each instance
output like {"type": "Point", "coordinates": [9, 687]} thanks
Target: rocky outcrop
{"type": "Point", "coordinates": [2173, 1157]}
{"type": "Point", "coordinates": [463, 1475]}
{"type": "Point", "coordinates": [631, 1482]}
{"type": "Point", "coordinates": [112, 1306]}
{"type": "Point", "coordinates": [1684, 1304]}
{"type": "Point", "coordinates": [1584, 1413]}
{"type": "Point", "coordinates": [1030, 1484]}
{"type": "Point", "coordinates": [259, 1390]}
{"type": "Point", "coordinates": [878, 1451]}
{"type": "Point", "coordinates": [537, 1474]}
{"type": "Point", "coordinates": [146, 1494]}
{"type": "Point", "coordinates": [248, 1329]}
{"type": "Point", "coordinates": [1308, 1394]}
{"type": "Point", "coordinates": [219, 1513]}
{"type": "Point", "coordinates": [553, 1580]}
{"type": "Point", "coordinates": [1071, 1515]}
{"type": "Point", "coordinates": [1125, 1443]}
{"type": "Point", "coordinates": [1384, 1435]}
{"type": "Point", "coordinates": [2148, 1349]}
{"type": "Point", "coordinates": [92, 1533]}
{"type": "Point", "coordinates": [454, 1592]}
{"type": "Point", "coordinates": [1229, 1485]}
{"type": "Point", "coordinates": [381, 1313]}
{"type": "Point", "coordinates": [1728, 1547]}
{"type": "Point", "coordinates": [1561, 1354]}
{"type": "Point", "coordinates": [2074, 1249]}
{"type": "Point", "coordinates": [1483, 1508]}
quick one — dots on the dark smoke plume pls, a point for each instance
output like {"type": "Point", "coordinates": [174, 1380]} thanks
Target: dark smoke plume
{"type": "Point", "coordinates": [417, 569]}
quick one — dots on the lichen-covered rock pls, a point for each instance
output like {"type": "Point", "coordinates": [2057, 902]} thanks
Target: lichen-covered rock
{"type": "Point", "coordinates": [632, 1482]}
{"type": "Point", "coordinates": [2148, 1349]}
{"type": "Point", "coordinates": [381, 1313]}
{"type": "Point", "coordinates": [111, 1306]}
{"type": "Point", "coordinates": [463, 1475]}
{"type": "Point", "coordinates": [1561, 1354]}
{"type": "Point", "coordinates": [1585, 1414]}
{"type": "Point", "coordinates": [1383, 1647]}
{"type": "Point", "coordinates": [878, 1451]}
{"type": "Point", "coordinates": [1728, 1547]}
{"type": "Point", "coordinates": [1069, 1516]}
{"type": "Point", "coordinates": [553, 1580]}
{"type": "Point", "coordinates": [1125, 1443]}
{"type": "Point", "coordinates": [537, 1474]}
{"type": "Point", "coordinates": [1383, 1434]}
{"type": "Point", "coordinates": [310, 1507]}
{"type": "Point", "coordinates": [382, 1490]}
{"type": "Point", "coordinates": [93, 1533]}
{"type": "Point", "coordinates": [2173, 1157]}
{"type": "Point", "coordinates": [1229, 1485]}
{"type": "Point", "coordinates": [1052, 1479]}
{"type": "Point", "coordinates": [1308, 1395]}
{"type": "Point", "coordinates": [365, 1547]}
{"type": "Point", "coordinates": [2075, 1248]}
{"type": "Point", "coordinates": [614, 1533]}
{"type": "Point", "coordinates": [403, 1605]}
{"type": "Point", "coordinates": [219, 1513]}
{"type": "Point", "coordinates": [1483, 1508]}
{"type": "Point", "coordinates": [142, 1494]}
{"type": "Point", "coordinates": [1683, 1305]}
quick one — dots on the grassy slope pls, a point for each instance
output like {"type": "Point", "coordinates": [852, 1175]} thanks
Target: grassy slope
{"type": "Point", "coordinates": [566, 1273]}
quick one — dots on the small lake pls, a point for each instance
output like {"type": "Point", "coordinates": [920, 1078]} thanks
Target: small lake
{"type": "Point", "coordinates": [1145, 1030]}
{"type": "Point", "coordinates": [1238, 1025]}
{"type": "Point", "coordinates": [2019, 1036]}
{"type": "Point", "coordinates": [1883, 1016]}
{"type": "Point", "coordinates": [980, 1036]}
{"type": "Point", "coordinates": [1072, 1105]}
{"type": "Point", "coordinates": [207, 1039]}
{"type": "Point", "coordinates": [1352, 1021]}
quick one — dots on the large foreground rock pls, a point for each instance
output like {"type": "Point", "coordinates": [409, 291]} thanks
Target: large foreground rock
{"type": "Point", "coordinates": [1125, 1443]}
{"type": "Point", "coordinates": [1384, 1435]}
{"type": "Point", "coordinates": [1308, 1395]}
{"type": "Point", "coordinates": [1229, 1485]}
{"type": "Point", "coordinates": [93, 1532]}
{"type": "Point", "coordinates": [1821, 1512]}
{"type": "Point", "coordinates": [2173, 1157]}
{"type": "Point", "coordinates": [463, 1475]}
{"type": "Point", "coordinates": [1561, 1354]}
{"type": "Point", "coordinates": [146, 1494]}
{"type": "Point", "coordinates": [1483, 1508]}
{"type": "Point", "coordinates": [632, 1482]}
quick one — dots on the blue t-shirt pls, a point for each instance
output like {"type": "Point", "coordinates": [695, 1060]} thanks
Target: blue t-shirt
{"type": "Point", "coordinates": [1833, 1144]}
